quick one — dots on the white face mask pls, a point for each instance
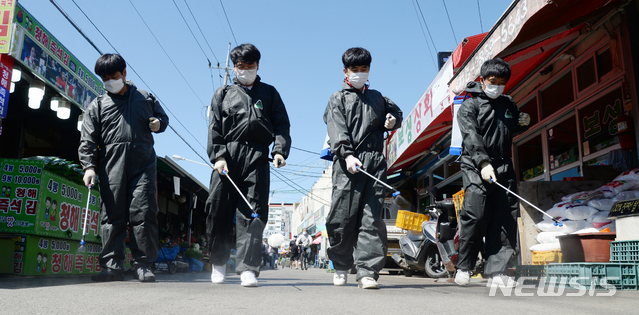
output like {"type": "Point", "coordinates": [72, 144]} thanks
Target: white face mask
{"type": "Point", "coordinates": [246, 77]}
{"type": "Point", "coordinates": [358, 79]}
{"type": "Point", "coordinates": [305, 233]}
{"type": "Point", "coordinates": [114, 86]}
{"type": "Point", "coordinates": [493, 91]}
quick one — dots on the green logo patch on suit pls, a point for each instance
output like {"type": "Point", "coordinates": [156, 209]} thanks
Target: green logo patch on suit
{"type": "Point", "coordinates": [258, 104]}
{"type": "Point", "coordinates": [508, 114]}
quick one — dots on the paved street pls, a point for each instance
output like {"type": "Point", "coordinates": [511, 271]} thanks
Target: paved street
{"type": "Point", "coordinates": [284, 292]}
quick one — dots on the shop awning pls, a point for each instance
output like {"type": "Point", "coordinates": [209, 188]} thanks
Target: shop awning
{"type": "Point", "coordinates": [527, 23]}
{"type": "Point", "coordinates": [168, 167]}
{"type": "Point", "coordinates": [427, 121]}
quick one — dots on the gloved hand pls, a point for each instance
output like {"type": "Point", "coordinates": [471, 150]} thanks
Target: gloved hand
{"type": "Point", "coordinates": [352, 163]}
{"type": "Point", "coordinates": [488, 172]}
{"type": "Point", "coordinates": [154, 124]}
{"type": "Point", "coordinates": [390, 121]}
{"type": "Point", "coordinates": [278, 160]}
{"type": "Point", "coordinates": [220, 165]}
{"type": "Point", "coordinates": [89, 176]}
{"type": "Point", "coordinates": [524, 119]}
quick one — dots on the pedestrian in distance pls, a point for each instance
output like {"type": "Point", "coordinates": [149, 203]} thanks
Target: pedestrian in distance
{"type": "Point", "coordinates": [304, 245]}
{"type": "Point", "coordinates": [294, 253]}
{"type": "Point", "coordinates": [488, 120]}
{"type": "Point", "coordinates": [356, 119]}
{"type": "Point", "coordinates": [117, 144]}
{"type": "Point", "coordinates": [245, 119]}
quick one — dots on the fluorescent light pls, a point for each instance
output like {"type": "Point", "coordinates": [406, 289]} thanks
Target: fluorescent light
{"type": "Point", "coordinates": [16, 75]}
{"type": "Point", "coordinates": [80, 122]}
{"type": "Point", "coordinates": [64, 109]}
{"type": "Point", "coordinates": [36, 92]}
{"type": "Point", "coordinates": [13, 87]}
{"type": "Point", "coordinates": [55, 103]}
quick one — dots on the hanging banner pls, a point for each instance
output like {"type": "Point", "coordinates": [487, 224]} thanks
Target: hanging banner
{"type": "Point", "coordinates": [36, 48]}
{"type": "Point", "coordinates": [502, 36]}
{"type": "Point", "coordinates": [6, 69]}
{"type": "Point", "coordinates": [432, 103]}
{"type": "Point", "coordinates": [7, 8]}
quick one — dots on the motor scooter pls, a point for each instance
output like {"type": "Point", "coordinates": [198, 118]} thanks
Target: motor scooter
{"type": "Point", "coordinates": [419, 252]}
{"type": "Point", "coordinates": [447, 235]}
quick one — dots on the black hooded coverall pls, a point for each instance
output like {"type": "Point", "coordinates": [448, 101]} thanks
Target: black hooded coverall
{"type": "Point", "coordinates": [487, 127]}
{"type": "Point", "coordinates": [116, 140]}
{"type": "Point", "coordinates": [243, 124]}
{"type": "Point", "coordinates": [355, 122]}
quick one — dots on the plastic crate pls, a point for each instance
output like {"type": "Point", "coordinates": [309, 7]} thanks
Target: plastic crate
{"type": "Point", "coordinates": [621, 276]}
{"type": "Point", "coordinates": [458, 199]}
{"type": "Point", "coordinates": [530, 271]}
{"type": "Point", "coordinates": [547, 257]}
{"type": "Point", "coordinates": [624, 251]}
{"type": "Point", "coordinates": [410, 220]}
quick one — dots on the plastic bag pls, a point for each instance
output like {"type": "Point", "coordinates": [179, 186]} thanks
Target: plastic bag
{"type": "Point", "coordinates": [579, 212]}
{"type": "Point", "coordinates": [570, 197]}
{"type": "Point", "coordinates": [600, 220]}
{"type": "Point", "coordinates": [195, 265]}
{"type": "Point", "coordinates": [601, 204]}
{"type": "Point", "coordinates": [613, 188]}
{"type": "Point", "coordinates": [548, 237]}
{"type": "Point", "coordinates": [631, 175]}
{"type": "Point", "coordinates": [626, 195]}
{"type": "Point", "coordinates": [567, 227]}
{"type": "Point", "coordinates": [545, 247]}
{"type": "Point", "coordinates": [559, 210]}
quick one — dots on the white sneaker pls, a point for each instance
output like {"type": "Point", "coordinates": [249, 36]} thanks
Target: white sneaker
{"type": "Point", "coordinates": [501, 280]}
{"type": "Point", "coordinates": [340, 277]}
{"type": "Point", "coordinates": [367, 283]}
{"type": "Point", "coordinates": [218, 276]}
{"type": "Point", "coordinates": [462, 277]}
{"type": "Point", "coordinates": [248, 279]}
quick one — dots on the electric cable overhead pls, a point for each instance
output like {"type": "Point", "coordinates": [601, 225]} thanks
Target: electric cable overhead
{"type": "Point", "coordinates": [165, 52]}
{"type": "Point", "coordinates": [307, 151]}
{"type": "Point", "coordinates": [141, 79]}
{"type": "Point", "coordinates": [76, 27]}
{"type": "Point", "coordinates": [220, 21]}
{"type": "Point", "coordinates": [450, 22]}
{"type": "Point", "coordinates": [198, 26]}
{"type": "Point", "coordinates": [190, 30]}
{"type": "Point", "coordinates": [308, 193]}
{"type": "Point", "coordinates": [481, 25]}
{"type": "Point", "coordinates": [427, 29]}
{"type": "Point", "coordinates": [276, 173]}
{"type": "Point", "coordinates": [227, 21]}
{"type": "Point", "coordinates": [420, 25]}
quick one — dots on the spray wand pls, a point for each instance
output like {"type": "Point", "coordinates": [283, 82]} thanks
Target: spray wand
{"type": "Point", "coordinates": [86, 219]}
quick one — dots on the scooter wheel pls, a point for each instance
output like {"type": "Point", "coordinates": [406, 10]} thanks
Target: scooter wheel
{"type": "Point", "coordinates": [408, 273]}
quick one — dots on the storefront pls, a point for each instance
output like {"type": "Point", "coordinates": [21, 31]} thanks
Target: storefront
{"type": "Point", "coordinates": [44, 90]}
{"type": "Point", "coordinates": [572, 71]}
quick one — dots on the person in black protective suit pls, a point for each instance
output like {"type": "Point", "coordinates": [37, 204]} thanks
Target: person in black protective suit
{"type": "Point", "coordinates": [245, 118]}
{"type": "Point", "coordinates": [117, 140]}
{"type": "Point", "coordinates": [488, 121]}
{"type": "Point", "coordinates": [356, 118]}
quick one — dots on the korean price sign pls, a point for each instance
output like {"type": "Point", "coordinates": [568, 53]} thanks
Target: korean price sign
{"type": "Point", "coordinates": [20, 181]}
